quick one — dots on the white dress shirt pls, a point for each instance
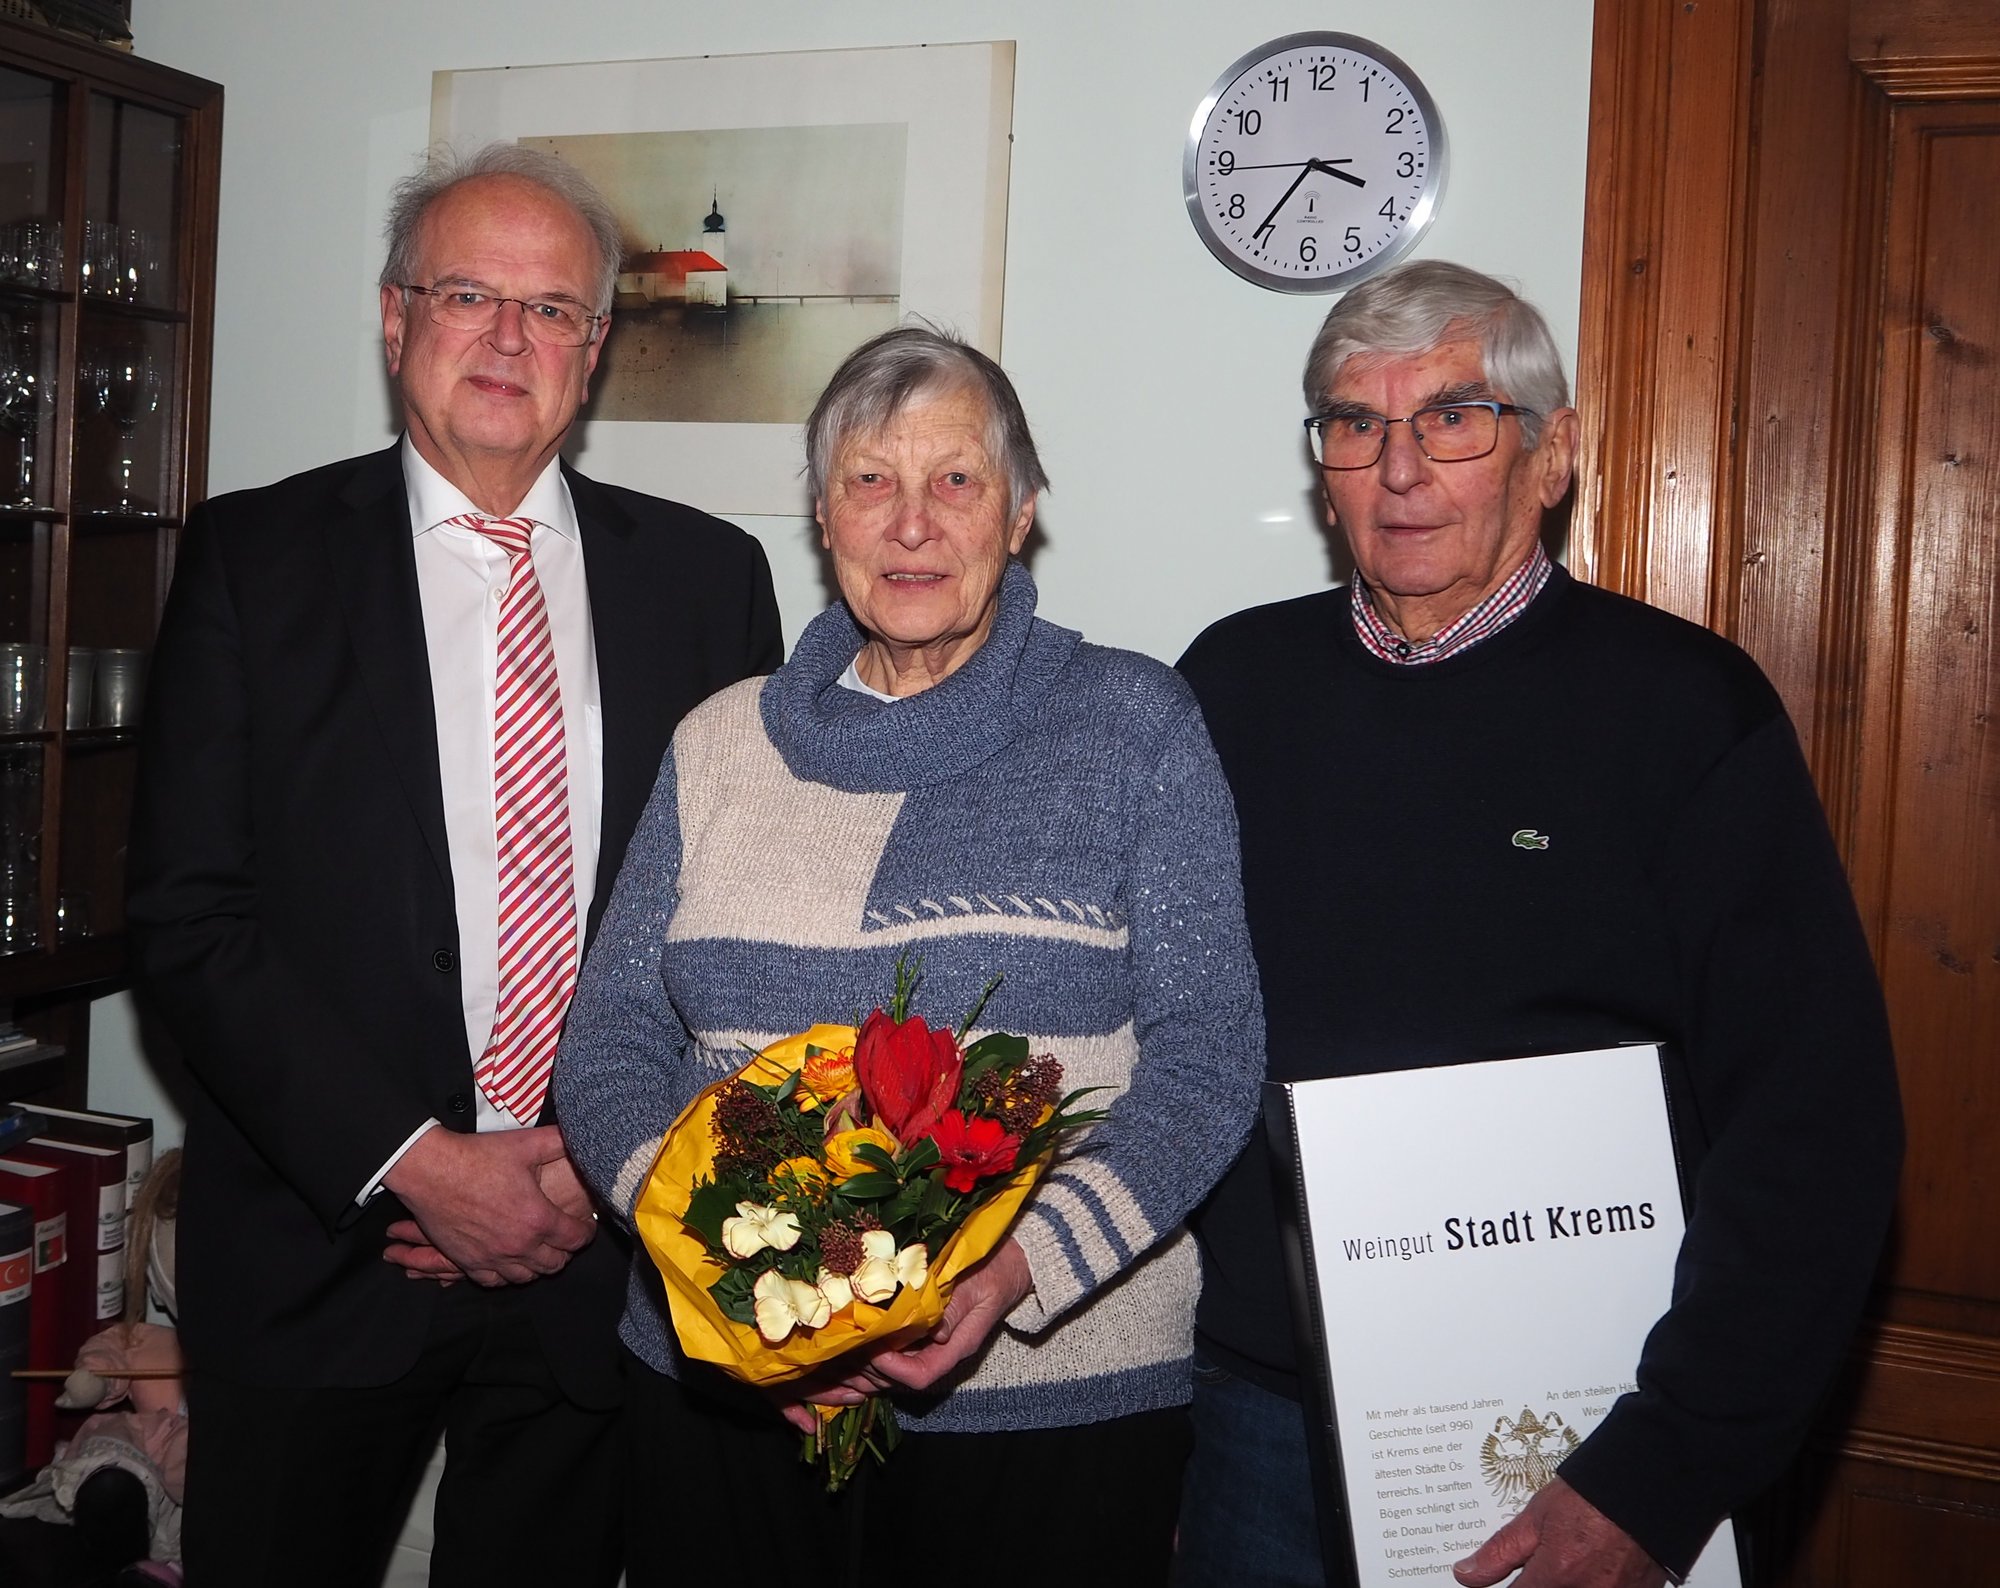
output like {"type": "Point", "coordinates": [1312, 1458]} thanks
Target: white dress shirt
{"type": "Point", "coordinates": [462, 578]}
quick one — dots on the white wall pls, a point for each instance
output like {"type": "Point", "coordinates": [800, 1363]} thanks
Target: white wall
{"type": "Point", "coordinates": [1163, 390]}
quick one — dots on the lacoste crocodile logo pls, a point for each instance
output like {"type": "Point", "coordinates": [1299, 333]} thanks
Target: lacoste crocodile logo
{"type": "Point", "coordinates": [1528, 838]}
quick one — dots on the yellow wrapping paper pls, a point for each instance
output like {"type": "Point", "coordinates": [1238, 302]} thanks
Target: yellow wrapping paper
{"type": "Point", "coordinates": [687, 1154]}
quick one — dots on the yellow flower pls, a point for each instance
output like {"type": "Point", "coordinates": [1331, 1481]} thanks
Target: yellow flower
{"type": "Point", "coordinates": [808, 1173]}
{"type": "Point", "coordinates": [783, 1305]}
{"type": "Point", "coordinates": [755, 1228]}
{"type": "Point", "coordinates": [841, 1144]}
{"type": "Point", "coordinates": [828, 1073]}
{"type": "Point", "coordinates": [883, 1268]}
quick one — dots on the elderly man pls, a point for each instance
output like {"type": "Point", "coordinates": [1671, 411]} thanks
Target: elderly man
{"type": "Point", "coordinates": [405, 712]}
{"type": "Point", "coordinates": [1387, 743]}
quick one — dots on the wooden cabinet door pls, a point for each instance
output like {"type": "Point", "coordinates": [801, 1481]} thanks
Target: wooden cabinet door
{"type": "Point", "coordinates": [1790, 372]}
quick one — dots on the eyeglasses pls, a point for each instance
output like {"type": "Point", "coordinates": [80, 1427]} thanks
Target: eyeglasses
{"type": "Point", "coordinates": [465, 308]}
{"type": "Point", "coordinates": [1445, 432]}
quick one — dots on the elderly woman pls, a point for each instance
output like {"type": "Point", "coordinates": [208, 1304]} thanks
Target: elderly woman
{"type": "Point", "coordinates": [939, 772]}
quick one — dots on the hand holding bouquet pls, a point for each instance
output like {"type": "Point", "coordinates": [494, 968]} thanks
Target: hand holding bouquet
{"type": "Point", "coordinates": [826, 1196]}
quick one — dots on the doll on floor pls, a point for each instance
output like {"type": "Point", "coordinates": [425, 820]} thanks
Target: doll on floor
{"type": "Point", "coordinates": [119, 1478]}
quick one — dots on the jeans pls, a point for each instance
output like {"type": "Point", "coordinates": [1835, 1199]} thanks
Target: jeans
{"type": "Point", "coordinates": [1247, 1518]}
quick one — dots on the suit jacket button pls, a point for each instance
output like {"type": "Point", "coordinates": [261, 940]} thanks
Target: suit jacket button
{"type": "Point", "coordinates": [458, 1102]}
{"type": "Point", "coordinates": [444, 960]}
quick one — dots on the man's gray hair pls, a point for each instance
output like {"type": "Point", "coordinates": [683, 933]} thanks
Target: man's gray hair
{"type": "Point", "coordinates": [413, 197]}
{"type": "Point", "coordinates": [908, 367]}
{"type": "Point", "coordinates": [1413, 308]}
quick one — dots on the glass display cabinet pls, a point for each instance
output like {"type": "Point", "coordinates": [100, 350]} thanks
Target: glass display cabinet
{"type": "Point", "coordinates": [108, 170]}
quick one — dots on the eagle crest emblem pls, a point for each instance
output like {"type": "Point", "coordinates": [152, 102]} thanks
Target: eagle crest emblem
{"type": "Point", "coordinates": [1522, 1453]}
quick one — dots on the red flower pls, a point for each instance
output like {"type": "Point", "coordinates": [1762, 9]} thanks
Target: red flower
{"type": "Point", "coordinates": [908, 1072]}
{"type": "Point", "coordinates": [973, 1148]}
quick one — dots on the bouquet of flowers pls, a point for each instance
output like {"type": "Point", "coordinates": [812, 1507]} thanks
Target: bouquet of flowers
{"type": "Point", "coordinates": [827, 1195]}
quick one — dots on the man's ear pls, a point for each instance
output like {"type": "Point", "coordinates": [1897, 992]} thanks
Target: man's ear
{"type": "Point", "coordinates": [593, 350]}
{"type": "Point", "coordinates": [1557, 452]}
{"type": "Point", "coordinates": [395, 312]}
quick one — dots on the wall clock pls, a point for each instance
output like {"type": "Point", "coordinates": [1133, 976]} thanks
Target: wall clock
{"type": "Point", "coordinates": [1315, 161]}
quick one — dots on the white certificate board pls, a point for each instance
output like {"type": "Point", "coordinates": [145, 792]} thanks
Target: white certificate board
{"type": "Point", "coordinates": [1482, 1249]}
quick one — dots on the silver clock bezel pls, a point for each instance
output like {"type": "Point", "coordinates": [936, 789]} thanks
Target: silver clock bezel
{"type": "Point", "coordinates": [1422, 213]}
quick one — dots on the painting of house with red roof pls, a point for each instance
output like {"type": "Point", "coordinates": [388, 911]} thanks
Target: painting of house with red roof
{"type": "Point", "coordinates": [755, 259]}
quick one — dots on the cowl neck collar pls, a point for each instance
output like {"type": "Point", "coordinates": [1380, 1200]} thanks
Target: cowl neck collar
{"type": "Point", "coordinates": [829, 734]}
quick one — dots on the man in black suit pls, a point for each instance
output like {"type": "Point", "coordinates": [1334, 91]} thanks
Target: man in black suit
{"type": "Point", "coordinates": [342, 845]}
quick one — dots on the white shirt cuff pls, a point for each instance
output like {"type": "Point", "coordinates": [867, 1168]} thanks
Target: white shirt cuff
{"type": "Point", "coordinates": [373, 1188]}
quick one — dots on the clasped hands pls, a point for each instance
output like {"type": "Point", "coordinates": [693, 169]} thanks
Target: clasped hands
{"type": "Point", "coordinates": [980, 1302]}
{"type": "Point", "coordinates": [498, 1208]}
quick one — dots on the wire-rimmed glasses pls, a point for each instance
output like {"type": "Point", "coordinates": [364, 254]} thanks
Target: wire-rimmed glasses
{"type": "Point", "coordinates": [1444, 432]}
{"type": "Point", "coordinates": [466, 306]}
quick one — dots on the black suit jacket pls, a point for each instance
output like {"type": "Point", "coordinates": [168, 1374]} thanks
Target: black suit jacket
{"type": "Point", "coordinates": [291, 898]}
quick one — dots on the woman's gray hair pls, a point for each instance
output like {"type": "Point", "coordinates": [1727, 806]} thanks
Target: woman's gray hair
{"type": "Point", "coordinates": [1415, 307]}
{"type": "Point", "coordinates": [907, 367]}
{"type": "Point", "coordinates": [412, 198]}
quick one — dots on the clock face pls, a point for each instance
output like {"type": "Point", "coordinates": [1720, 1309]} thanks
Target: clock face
{"type": "Point", "coordinates": [1316, 160]}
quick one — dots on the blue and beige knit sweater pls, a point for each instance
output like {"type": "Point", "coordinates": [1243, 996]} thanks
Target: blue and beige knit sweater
{"type": "Point", "coordinates": [1052, 811]}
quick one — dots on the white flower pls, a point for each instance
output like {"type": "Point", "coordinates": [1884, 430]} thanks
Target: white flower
{"type": "Point", "coordinates": [756, 1227]}
{"type": "Point", "coordinates": [883, 1268]}
{"type": "Point", "coordinates": [838, 1292]}
{"type": "Point", "coordinates": [783, 1305]}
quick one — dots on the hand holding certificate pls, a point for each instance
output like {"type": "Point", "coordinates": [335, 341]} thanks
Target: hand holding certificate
{"type": "Point", "coordinates": [1482, 1249]}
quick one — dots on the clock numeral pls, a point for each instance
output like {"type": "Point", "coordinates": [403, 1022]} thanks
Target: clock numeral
{"type": "Point", "coordinates": [1308, 252]}
{"type": "Point", "coordinates": [1352, 241]}
{"type": "Point", "coordinates": [1395, 127]}
{"type": "Point", "coordinates": [1225, 162]}
{"type": "Point", "coordinates": [1248, 122]}
{"type": "Point", "coordinates": [1281, 90]}
{"type": "Point", "coordinates": [1406, 163]}
{"type": "Point", "coordinates": [1388, 209]}
{"type": "Point", "coordinates": [1322, 76]}
{"type": "Point", "coordinates": [1365, 81]}
{"type": "Point", "coordinates": [1236, 206]}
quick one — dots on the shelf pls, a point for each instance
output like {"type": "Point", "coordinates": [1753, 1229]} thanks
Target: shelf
{"type": "Point", "coordinates": [90, 963]}
{"type": "Point", "coordinates": [33, 1053]}
{"type": "Point", "coordinates": [113, 309]}
{"type": "Point", "coordinates": [21, 292]}
{"type": "Point", "coordinates": [101, 738]}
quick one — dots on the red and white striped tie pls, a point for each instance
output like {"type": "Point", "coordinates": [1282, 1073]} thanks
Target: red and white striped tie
{"type": "Point", "coordinates": [531, 811]}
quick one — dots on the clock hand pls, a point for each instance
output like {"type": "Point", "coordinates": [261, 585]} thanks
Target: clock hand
{"type": "Point", "coordinates": [1345, 176]}
{"type": "Point", "coordinates": [1285, 165]}
{"type": "Point", "coordinates": [1305, 171]}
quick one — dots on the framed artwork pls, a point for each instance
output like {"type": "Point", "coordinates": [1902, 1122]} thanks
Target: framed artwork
{"type": "Point", "coordinates": [777, 211]}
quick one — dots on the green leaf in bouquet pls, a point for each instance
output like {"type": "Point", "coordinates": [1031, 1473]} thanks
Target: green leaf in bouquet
{"type": "Point", "coordinates": [973, 1013]}
{"type": "Point", "coordinates": [735, 1294]}
{"type": "Point", "coordinates": [876, 1157]}
{"type": "Point", "coordinates": [870, 1187]}
{"type": "Point", "coordinates": [709, 1206]}
{"type": "Point", "coordinates": [997, 1049]}
{"type": "Point", "coordinates": [923, 1156]}
{"type": "Point", "coordinates": [787, 1087]}
{"type": "Point", "coordinates": [903, 1206]}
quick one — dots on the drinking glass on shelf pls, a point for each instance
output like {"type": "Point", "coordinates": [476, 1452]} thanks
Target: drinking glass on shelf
{"type": "Point", "coordinates": [80, 688]}
{"type": "Point", "coordinates": [23, 673]}
{"type": "Point", "coordinates": [139, 265]}
{"type": "Point", "coordinates": [31, 253]}
{"type": "Point", "coordinates": [99, 266]}
{"type": "Point", "coordinates": [72, 915]}
{"type": "Point", "coordinates": [125, 385]}
{"type": "Point", "coordinates": [20, 911]}
{"type": "Point", "coordinates": [25, 400]}
{"type": "Point", "coordinates": [118, 689]}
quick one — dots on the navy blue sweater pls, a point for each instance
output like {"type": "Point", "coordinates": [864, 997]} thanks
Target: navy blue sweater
{"type": "Point", "coordinates": [1688, 891]}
